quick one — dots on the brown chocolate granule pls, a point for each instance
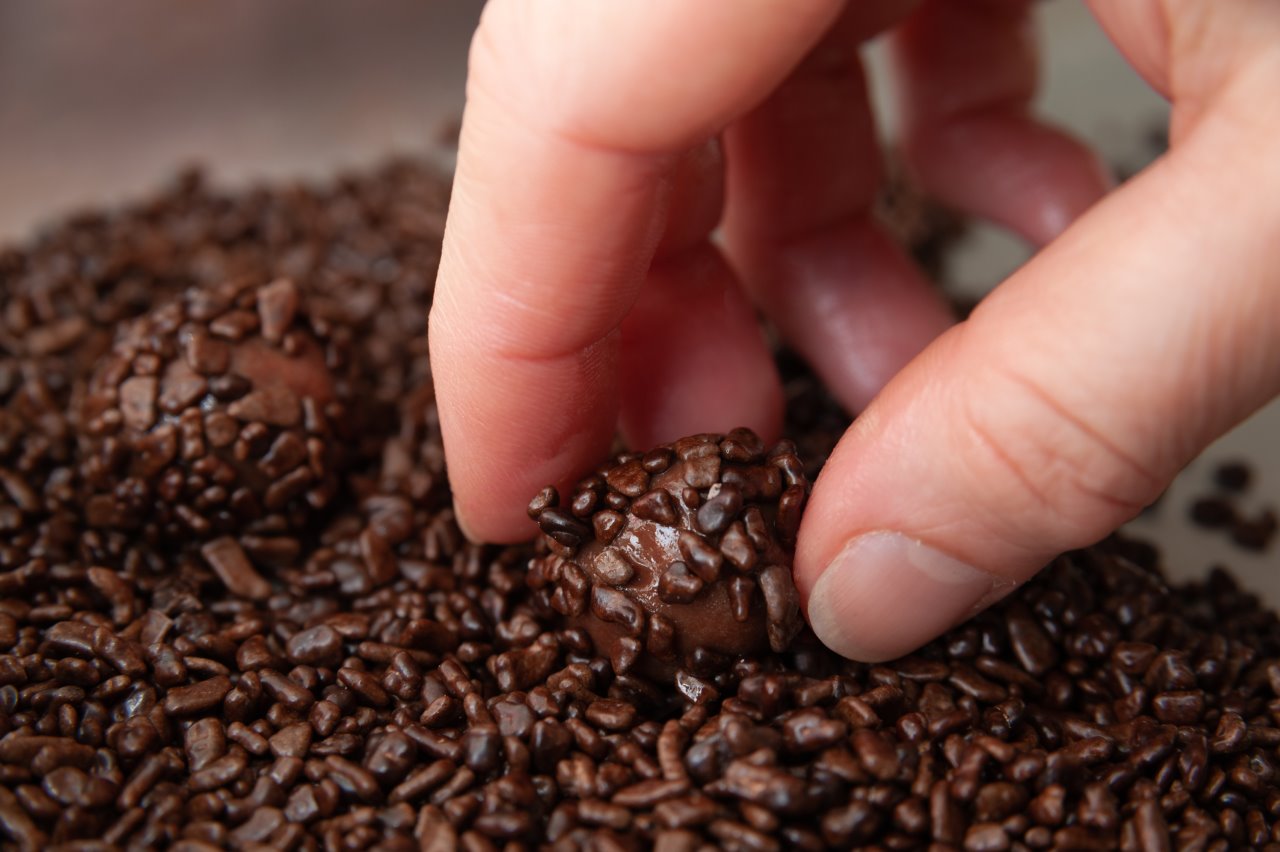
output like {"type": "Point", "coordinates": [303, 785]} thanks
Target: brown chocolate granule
{"type": "Point", "coordinates": [1233, 476]}
{"type": "Point", "coordinates": [373, 680]}
{"type": "Point", "coordinates": [1254, 531]}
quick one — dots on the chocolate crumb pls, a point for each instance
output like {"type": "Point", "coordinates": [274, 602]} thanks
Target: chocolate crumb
{"type": "Point", "coordinates": [228, 560]}
{"type": "Point", "coordinates": [236, 609]}
{"type": "Point", "coordinates": [1234, 477]}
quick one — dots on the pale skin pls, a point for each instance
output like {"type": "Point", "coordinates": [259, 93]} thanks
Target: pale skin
{"type": "Point", "coordinates": [579, 292]}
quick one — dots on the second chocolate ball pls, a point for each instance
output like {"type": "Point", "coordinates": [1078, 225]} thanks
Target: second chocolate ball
{"type": "Point", "coordinates": [219, 413]}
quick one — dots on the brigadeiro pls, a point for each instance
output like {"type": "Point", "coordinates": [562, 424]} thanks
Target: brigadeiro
{"type": "Point", "coordinates": [220, 411]}
{"type": "Point", "coordinates": [679, 557]}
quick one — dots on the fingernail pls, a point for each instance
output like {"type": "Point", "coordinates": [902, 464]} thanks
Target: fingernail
{"type": "Point", "coordinates": [886, 594]}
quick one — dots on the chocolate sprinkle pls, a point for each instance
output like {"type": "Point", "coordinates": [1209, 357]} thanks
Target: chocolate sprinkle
{"type": "Point", "coordinates": [1251, 532]}
{"type": "Point", "coordinates": [236, 610]}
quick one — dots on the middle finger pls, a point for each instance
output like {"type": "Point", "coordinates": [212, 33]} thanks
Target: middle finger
{"type": "Point", "coordinates": [804, 171]}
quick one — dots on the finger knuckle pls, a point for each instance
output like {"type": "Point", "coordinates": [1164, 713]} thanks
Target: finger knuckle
{"type": "Point", "coordinates": [1059, 474]}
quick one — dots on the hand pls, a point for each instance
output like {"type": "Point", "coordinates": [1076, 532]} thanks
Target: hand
{"type": "Point", "coordinates": [580, 291]}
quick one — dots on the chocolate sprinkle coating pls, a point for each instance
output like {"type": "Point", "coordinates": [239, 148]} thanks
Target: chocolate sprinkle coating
{"type": "Point", "coordinates": [360, 676]}
{"type": "Point", "coordinates": [221, 412]}
{"type": "Point", "coordinates": [693, 562]}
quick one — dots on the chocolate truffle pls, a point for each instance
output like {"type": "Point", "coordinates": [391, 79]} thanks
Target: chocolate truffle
{"type": "Point", "coordinates": [216, 413]}
{"type": "Point", "coordinates": [678, 558]}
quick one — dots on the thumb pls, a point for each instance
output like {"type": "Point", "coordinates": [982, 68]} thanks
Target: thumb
{"type": "Point", "coordinates": [1064, 405]}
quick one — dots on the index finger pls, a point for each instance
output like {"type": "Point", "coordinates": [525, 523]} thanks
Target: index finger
{"type": "Point", "coordinates": [576, 112]}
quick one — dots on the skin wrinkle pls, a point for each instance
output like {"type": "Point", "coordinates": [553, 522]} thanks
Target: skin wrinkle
{"type": "Point", "coordinates": [1185, 209]}
{"type": "Point", "coordinates": [645, 165]}
{"type": "Point", "coordinates": [989, 441]}
{"type": "Point", "coordinates": [1130, 484]}
{"type": "Point", "coordinates": [530, 312]}
{"type": "Point", "coordinates": [1149, 482]}
{"type": "Point", "coordinates": [1190, 36]}
{"type": "Point", "coordinates": [1059, 260]}
{"type": "Point", "coordinates": [554, 347]}
{"type": "Point", "coordinates": [948, 516]}
{"type": "Point", "coordinates": [1069, 481]}
{"type": "Point", "coordinates": [1214, 62]}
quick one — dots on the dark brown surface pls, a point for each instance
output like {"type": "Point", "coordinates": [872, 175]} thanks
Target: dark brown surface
{"type": "Point", "coordinates": [369, 679]}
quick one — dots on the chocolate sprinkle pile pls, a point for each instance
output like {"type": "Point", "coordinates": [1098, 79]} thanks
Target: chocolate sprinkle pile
{"type": "Point", "coordinates": [356, 675]}
{"type": "Point", "coordinates": [679, 557]}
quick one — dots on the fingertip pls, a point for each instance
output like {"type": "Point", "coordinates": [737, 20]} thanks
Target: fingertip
{"type": "Point", "coordinates": [967, 75]}
{"type": "Point", "coordinates": [490, 502]}
{"type": "Point", "coordinates": [1007, 168]}
{"type": "Point", "coordinates": [512, 427]}
{"type": "Point", "coordinates": [462, 517]}
{"type": "Point", "coordinates": [486, 526]}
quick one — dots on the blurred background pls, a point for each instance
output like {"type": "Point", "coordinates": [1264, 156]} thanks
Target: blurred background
{"type": "Point", "coordinates": [100, 103]}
